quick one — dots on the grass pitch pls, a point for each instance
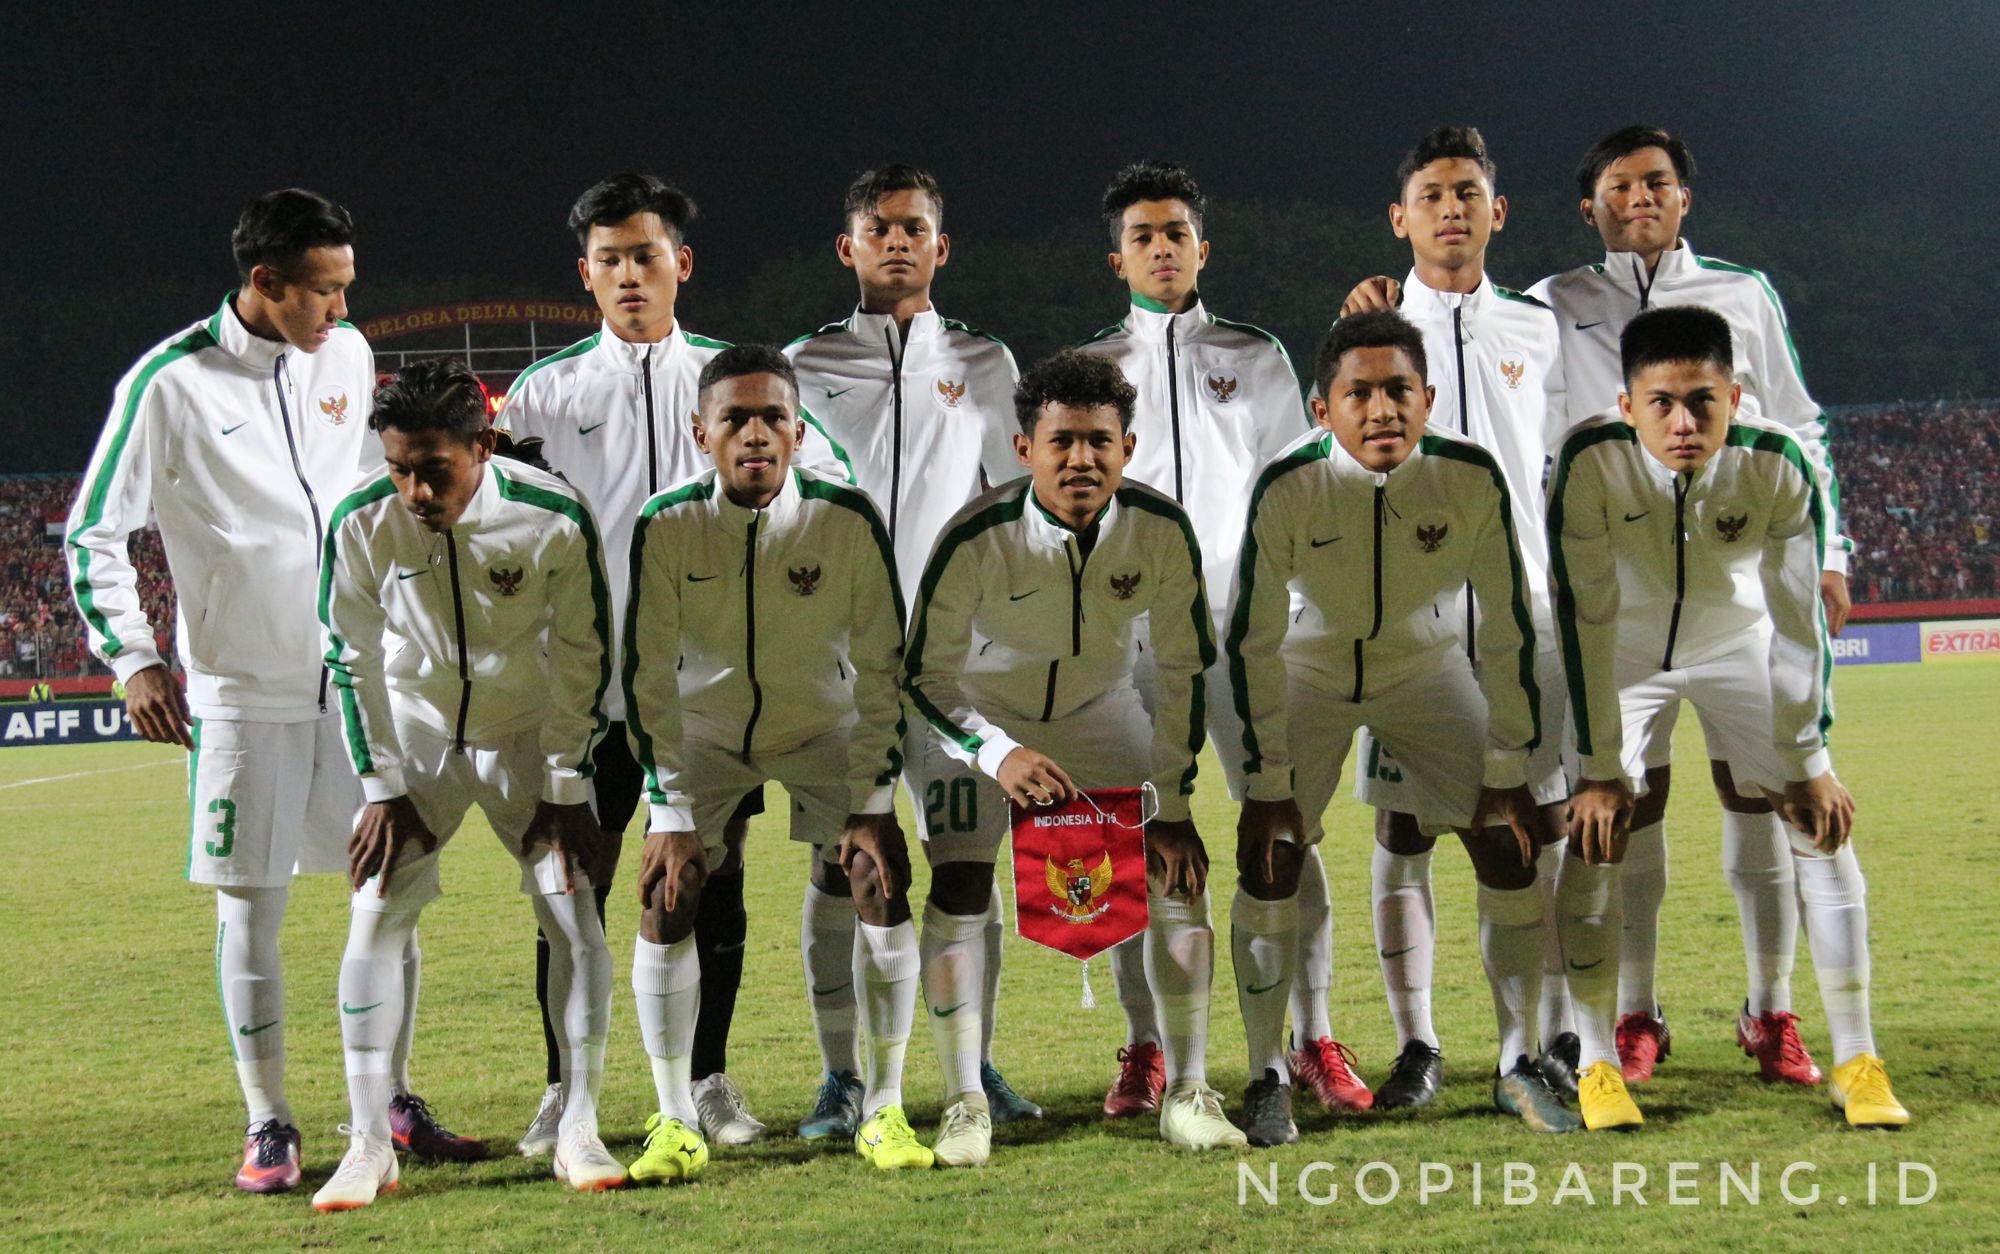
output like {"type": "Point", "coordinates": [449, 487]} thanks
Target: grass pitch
{"type": "Point", "coordinates": [122, 1119]}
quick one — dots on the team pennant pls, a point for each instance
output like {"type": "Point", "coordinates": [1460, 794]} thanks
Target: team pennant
{"type": "Point", "coordinates": [1080, 871]}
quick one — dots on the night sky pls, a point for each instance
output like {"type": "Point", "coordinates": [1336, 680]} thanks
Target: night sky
{"type": "Point", "coordinates": [460, 141]}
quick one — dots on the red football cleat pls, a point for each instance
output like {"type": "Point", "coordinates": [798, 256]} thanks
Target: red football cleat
{"type": "Point", "coordinates": [1142, 1077]}
{"type": "Point", "coordinates": [1327, 1068]}
{"type": "Point", "coordinates": [416, 1130]}
{"type": "Point", "coordinates": [270, 1159]}
{"type": "Point", "coordinates": [1773, 1040]}
{"type": "Point", "coordinates": [1643, 1040]}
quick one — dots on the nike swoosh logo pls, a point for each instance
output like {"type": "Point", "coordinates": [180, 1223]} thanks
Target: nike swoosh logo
{"type": "Point", "coordinates": [238, 427]}
{"type": "Point", "coordinates": [729, 949]}
{"type": "Point", "coordinates": [1574, 965]}
{"type": "Point", "coordinates": [830, 393]}
{"type": "Point", "coordinates": [1585, 326]}
{"type": "Point", "coordinates": [1025, 595]}
{"type": "Point", "coordinates": [408, 574]}
{"type": "Point", "coordinates": [1318, 544]}
{"type": "Point", "coordinates": [700, 578]}
{"type": "Point", "coordinates": [355, 1010]}
{"type": "Point", "coordinates": [828, 992]}
{"type": "Point", "coordinates": [948, 1011]}
{"type": "Point", "coordinates": [1396, 953]}
{"type": "Point", "coordinates": [247, 1030]}
{"type": "Point", "coordinates": [1254, 989]}
{"type": "Point", "coordinates": [871, 1144]}
{"type": "Point", "coordinates": [592, 427]}
{"type": "Point", "coordinates": [1636, 517]}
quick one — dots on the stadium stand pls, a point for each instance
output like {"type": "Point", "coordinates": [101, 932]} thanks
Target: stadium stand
{"type": "Point", "coordinates": [40, 632]}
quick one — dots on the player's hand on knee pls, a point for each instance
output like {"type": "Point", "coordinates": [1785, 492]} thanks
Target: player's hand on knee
{"type": "Point", "coordinates": [1378, 294]}
{"type": "Point", "coordinates": [666, 865]}
{"type": "Point", "coordinates": [1834, 595]}
{"type": "Point", "coordinates": [1031, 779]}
{"type": "Point", "coordinates": [158, 707]}
{"type": "Point", "coordinates": [1516, 809]}
{"type": "Point", "coordinates": [1600, 817]}
{"type": "Point", "coordinates": [1260, 829]}
{"type": "Point", "coordinates": [386, 830]}
{"type": "Point", "coordinates": [1823, 809]}
{"type": "Point", "coordinates": [880, 839]}
{"type": "Point", "coordinates": [1174, 850]}
{"type": "Point", "coordinates": [571, 833]}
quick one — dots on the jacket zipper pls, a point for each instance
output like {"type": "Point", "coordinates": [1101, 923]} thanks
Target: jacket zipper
{"type": "Point", "coordinates": [896, 427]}
{"type": "Point", "coordinates": [1075, 622]}
{"type": "Point", "coordinates": [652, 441]}
{"type": "Point", "coordinates": [1375, 627]}
{"type": "Point", "coordinates": [1680, 570]}
{"type": "Point", "coordinates": [458, 625]}
{"type": "Point", "coordinates": [750, 633]}
{"type": "Point", "coordinates": [1464, 429]}
{"type": "Point", "coordinates": [312, 502]}
{"type": "Point", "coordinates": [1174, 407]}
{"type": "Point", "coordinates": [1644, 284]}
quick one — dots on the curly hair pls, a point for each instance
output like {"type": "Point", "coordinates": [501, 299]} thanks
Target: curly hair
{"type": "Point", "coordinates": [1077, 379]}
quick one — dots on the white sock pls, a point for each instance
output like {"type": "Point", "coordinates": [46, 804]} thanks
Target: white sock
{"type": "Point", "coordinates": [1312, 977]}
{"type": "Point", "coordinates": [989, 1004]}
{"type": "Point", "coordinates": [826, 942]}
{"type": "Point", "coordinates": [666, 983]}
{"type": "Point", "coordinates": [1510, 946]}
{"type": "Point", "coordinates": [1264, 937]}
{"type": "Point", "coordinates": [1757, 861]}
{"type": "Point", "coordinates": [579, 983]}
{"type": "Point", "coordinates": [885, 975]}
{"type": "Point", "coordinates": [1128, 973]}
{"type": "Point", "coordinates": [953, 951]}
{"type": "Point", "coordinates": [1405, 939]}
{"type": "Point", "coordinates": [1587, 906]}
{"type": "Point", "coordinates": [1835, 904]}
{"type": "Point", "coordinates": [1552, 1017]}
{"type": "Point", "coordinates": [1642, 886]}
{"type": "Point", "coordinates": [406, 1032]}
{"type": "Point", "coordinates": [371, 1011]}
{"type": "Point", "coordinates": [1180, 965]}
{"type": "Point", "coordinates": [251, 977]}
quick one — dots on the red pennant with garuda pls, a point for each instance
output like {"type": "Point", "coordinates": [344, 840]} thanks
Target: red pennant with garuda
{"type": "Point", "coordinates": [1080, 871]}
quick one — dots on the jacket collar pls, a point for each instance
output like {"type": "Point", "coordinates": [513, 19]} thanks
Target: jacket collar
{"type": "Point", "coordinates": [878, 331]}
{"type": "Point", "coordinates": [1422, 300]}
{"type": "Point", "coordinates": [628, 358]}
{"type": "Point", "coordinates": [780, 511]}
{"type": "Point", "coordinates": [1046, 530]}
{"type": "Point", "coordinates": [1345, 464]}
{"type": "Point", "coordinates": [480, 508]}
{"type": "Point", "coordinates": [253, 350]}
{"type": "Point", "coordinates": [1148, 319]}
{"type": "Point", "coordinates": [1628, 274]}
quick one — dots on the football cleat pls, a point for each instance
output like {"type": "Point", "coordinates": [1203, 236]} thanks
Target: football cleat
{"type": "Point", "coordinates": [1267, 1111]}
{"type": "Point", "coordinates": [1526, 1093]}
{"type": "Point", "coordinates": [1002, 1101]}
{"type": "Point", "coordinates": [585, 1165]}
{"type": "Point", "coordinates": [725, 1120]}
{"type": "Point", "coordinates": [836, 1111]}
{"type": "Point", "coordinates": [1326, 1067]}
{"type": "Point", "coordinates": [541, 1135]}
{"type": "Point", "coordinates": [674, 1151]}
{"type": "Point", "coordinates": [1600, 1092]}
{"type": "Point", "coordinates": [1191, 1116]}
{"type": "Point", "coordinates": [1558, 1064]}
{"type": "Point", "coordinates": [1861, 1088]}
{"type": "Point", "coordinates": [1643, 1041]}
{"type": "Point", "coordinates": [888, 1141]}
{"type": "Point", "coordinates": [367, 1170]}
{"type": "Point", "coordinates": [1414, 1080]}
{"type": "Point", "coordinates": [965, 1136]}
{"type": "Point", "coordinates": [1142, 1077]}
{"type": "Point", "coordinates": [1773, 1040]}
{"type": "Point", "coordinates": [270, 1158]}
{"type": "Point", "coordinates": [412, 1127]}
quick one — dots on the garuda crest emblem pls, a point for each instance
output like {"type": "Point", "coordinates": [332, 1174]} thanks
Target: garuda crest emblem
{"type": "Point", "coordinates": [334, 407]}
{"type": "Point", "coordinates": [1512, 369]}
{"type": "Point", "coordinates": [1731, 529]}
{"type": "Point", "coordinates": [1432, 538]}
{"type": "Point", "coordinates": [1079, 889]}
{"type": "Point", "coordinates": [805, 579]}
{"type": "Point", "coordinates": [1221, 386]}
{"type": "Point", "coordinates": [507, 582]}
{"type": "Point", "coordinates": [950, 393]}
{"type": "Point", "coordinates": [1124, 586]}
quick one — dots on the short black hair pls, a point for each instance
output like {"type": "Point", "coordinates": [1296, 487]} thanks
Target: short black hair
{"type": "Point", "coordinates": [432, 394]}
{"type": "Point", "coordinates": [1623, 143]}
{"type": "Point", "coordinates": [1690, 333]}
{"type": "Point", "coordinates": [1077, 379]}
{"type": "Point", "coordinates": [1151, 180]}
{"type": "Point", "coordinates": [867, 191]}
{"type": "Point", "coordinates": [1442, 143]}
{"type": "Point", "coordinates": [278, 228]}
{"type": "Point", "coordinates": [1383, 329]}
{"type": "Point", "coordinates": [739, 360]}
{"type": "Point", "coordinates": [622, 195]}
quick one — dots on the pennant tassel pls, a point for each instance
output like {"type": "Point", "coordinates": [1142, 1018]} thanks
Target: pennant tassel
{"type": "Point", "coordinates": [1089, 998]}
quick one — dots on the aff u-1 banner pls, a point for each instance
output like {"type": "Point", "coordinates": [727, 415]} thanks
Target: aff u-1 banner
{"type": "Point", "coordinates": [65, 723]}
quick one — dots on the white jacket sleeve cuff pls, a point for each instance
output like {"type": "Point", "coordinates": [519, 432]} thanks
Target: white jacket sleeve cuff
{"type": "Point", "coordinates": [565, 787]}
{"type": "Point", "coordinates": [384, 785]}
{"type": "Point", "coordinates": [1836, 556]}
{"type": "Point", "coordinates": [1173, 806]}
{"type": "Point", "coordinates": [1799, 769]}
{"type": "Point", "coordinates": [1506, 768]}
{"type": "Point", "coordinates": [872, 799]}
{"type": "Point", "coordinates": [664, 818]}
{"type": "Point", "coordinates": [130, 662]}
{"type": "Point", "coordinates": [1602, 766]}
{"type": "Point", "coordinates": [1267, 786]}
{"type": "Point", "coordinates": [992, 753]}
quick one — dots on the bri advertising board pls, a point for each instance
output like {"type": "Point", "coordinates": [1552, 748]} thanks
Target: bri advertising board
{"type": "Point", "coordinates": [1866, 644]}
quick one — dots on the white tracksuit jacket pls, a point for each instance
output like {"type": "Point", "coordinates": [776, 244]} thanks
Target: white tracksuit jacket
{"type": "Point", "coordinates": [1656, 570]}
{"type": "Point", "coordinates": [498, 624]}
{"type": "Point", "coordinates": [1017, 619]}
{"type": "Point", "coordinates": [616, 419]}
{"type": "Point", "coordinates": [1376, 561]}
{"type": "Point", "coordinates": [1594, 303]}
{"type": "Point", "coordinates": [913, 421]}
{"type": "Point", "coordinates": [1217, 401]}
{"type": "Point", "coordinates": [241, 447]}
{"type": "Point", "coordinates": [761, 630]}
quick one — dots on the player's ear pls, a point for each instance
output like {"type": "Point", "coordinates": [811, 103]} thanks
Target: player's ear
{"type": "Point", "coordinates": [1021, 447]}
{"type": "Point", "coordinates": [1131, 440]}
{"type": "Point", "coordinates": [484, 443]}
{"type": "Point", "coordinates": [1396, 220]}
{"type": "Point", "coordinates": [1735, 399]}
{"type": "Point", "coordinates": [700, 434]}
{"type": "Point", "coordinates": [843, 248]}
{"type": "Point", "coordinates": [1430, 396]}
{"type": "Point", "coordinates": [1499, 212]}
{"type": "Point", "coordinates": [1322, 416]}
{"type": "Point", "coordinates": [1625, 405]}
{"type": "Point", "coordinates": [1117, 261]}
{"type": "Point", "coordinates": [943, 249]}
{"type": "Point", "coordinates": [583, 271]}
{"type": "Point", "coordinates": [1589, 212]}
{"type": "Point", "coordinates": [267, 282]}
{"type": "Point", "coordinates": [1687, 199]}
{"type": "Point", "coordinates": [685, 259]}
{"type": "Point", "coordinates": [1201, 256]}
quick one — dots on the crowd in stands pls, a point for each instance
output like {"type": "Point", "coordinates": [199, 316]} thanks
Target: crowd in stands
{"type": "Point", "coordinates": [1920, 489]}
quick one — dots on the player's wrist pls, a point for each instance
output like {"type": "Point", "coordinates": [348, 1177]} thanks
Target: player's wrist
{"type": "Point", "coordinates": [668, 819]}
{"type": "Point", "coordinates": [133, 659]}
{"type": "Point", "coordinates": [993, 752]}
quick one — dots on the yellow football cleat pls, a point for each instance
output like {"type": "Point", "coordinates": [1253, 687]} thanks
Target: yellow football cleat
{"type": "Point", "coordinates": [1600, 1093]}
{"type": "Point", "coordinates": [888, 1141]}
{"type": "Point", "coordinates": [674, 1151]}
{"type": "Point", "coordinates": [1861, 1088]}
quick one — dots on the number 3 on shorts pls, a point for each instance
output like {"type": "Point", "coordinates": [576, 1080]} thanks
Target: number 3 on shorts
{"type": "Point", "coordinates": [964, 805]}
{"type": "Point", "coordinates": [225, 827]}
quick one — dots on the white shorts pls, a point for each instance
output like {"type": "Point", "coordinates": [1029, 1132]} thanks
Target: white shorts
{"type": "Point", "coordinates": [1434, 726]}
{"type": "Point", "coordinates": [963, 815]}
{"type": "Point", "coordinates": [814, 776]}
{"type": "Point", "coordinates": [505, 781]}
{"type": "Point", "coordinates": [268, 800]}
{"type": "Point", "coordinates": [1380, 781]}
{"type": "Point", "coordinates": [1731, 696]}
{"type": "Point", "coordinates": [1225, 729]}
